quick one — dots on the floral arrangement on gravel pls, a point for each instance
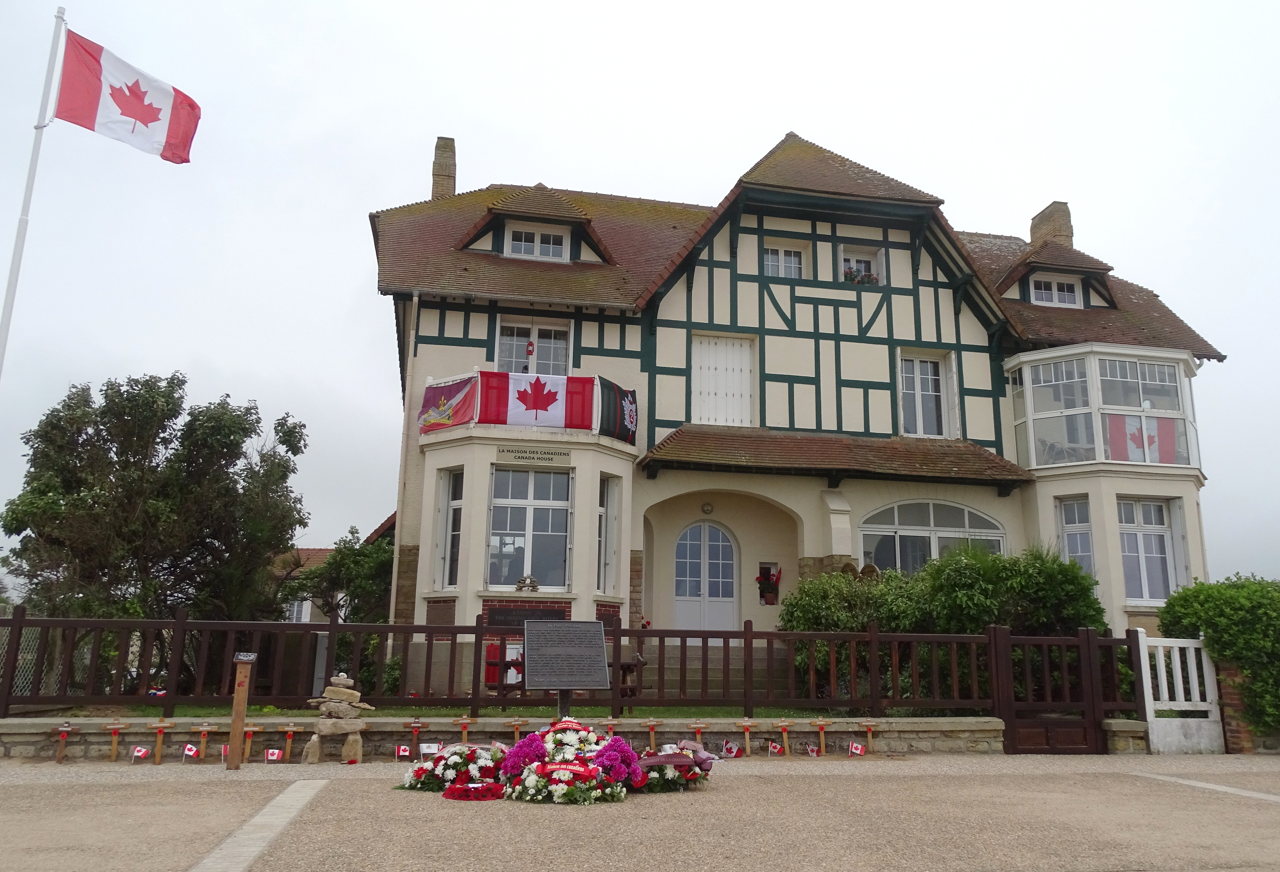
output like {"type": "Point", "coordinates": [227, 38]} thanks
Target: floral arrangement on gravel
{"type": "Point", "coordinates": [676, 768]}
{"type": "Point", "coordinates": [561, 764]}
{"type": "Point", "coordinates": [459, 765]}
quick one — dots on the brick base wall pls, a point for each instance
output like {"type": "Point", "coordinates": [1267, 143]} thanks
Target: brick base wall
{"type": "Point", "coordinates": [609, 613]}
{"type": "Point", "coordinates": [1239, 738]}
{"type": "Point", "coordinates": [564, 607]}
{"type": "Point", "coordinates": [403, 609]}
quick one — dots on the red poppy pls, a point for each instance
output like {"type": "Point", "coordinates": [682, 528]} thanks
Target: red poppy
{"type": "Point", "coordinates": [641, 781]}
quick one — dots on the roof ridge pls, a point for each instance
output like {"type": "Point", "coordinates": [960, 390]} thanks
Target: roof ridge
{"type": "Point", "coordinates": [514, 201]}
{"type": "Point", "coordinates": [436, 199]}
{"type": "Point", "coordinates": [844, 165]}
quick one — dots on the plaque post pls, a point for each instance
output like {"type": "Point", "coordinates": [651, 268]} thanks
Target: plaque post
{"type": "Point", "coordinates": [564, 699]}
{"type": "Point", "coordinates": [244, 661]}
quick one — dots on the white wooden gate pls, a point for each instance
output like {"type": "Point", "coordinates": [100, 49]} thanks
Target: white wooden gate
{"type": "Point", "coordinates": [1180, 678]}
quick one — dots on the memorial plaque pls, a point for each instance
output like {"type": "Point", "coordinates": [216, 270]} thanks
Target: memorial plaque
{"type": "Point", "coordinates": [513, 616]}
{"type": "Point", "coordinates": [565, 655]}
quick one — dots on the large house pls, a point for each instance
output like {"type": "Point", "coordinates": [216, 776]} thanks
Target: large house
{"type": "Point", "coordinates": [617, 407]}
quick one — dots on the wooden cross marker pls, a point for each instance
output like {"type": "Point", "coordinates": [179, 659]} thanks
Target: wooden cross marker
{"type": "Point", "coordinates": [610, 724]}
{"type": "Point", "coordinates": [415, 726]}
{"type": "Point", "coordinates": [115, 727]}
{"type": "Point", "coordinates": [515, 724]}
{"type": "Point", "coordinates": [288, 730]}
{"type": "Point", "coordinates": [62, 732]}
{"type": "Point", "coordinates": [784, 726]}
{"type": "Point", "coordinates": [869, 726]}
{"type": "Point", "coordinates": [160, 727]}
{"type": "Point", "coordinates": [653, 726]}
{"type": "Point", "coordinates": [698, 727]}
{"type": "Point", "coordinates": [465, 723]}
{"type": "Point", "coordinates": [822, 735]}
{"type": "Point", "coordinates": [204, 730]}
{"type": "Point", "coordinates": [746, 735]}
{"type": "Point", "coordinates": [249, 730]}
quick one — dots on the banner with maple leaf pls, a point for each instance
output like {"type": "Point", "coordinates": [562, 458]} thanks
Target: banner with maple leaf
{"type": "Point", "coordinates": [104, 94]}
{"type": "Point", "coordinates": [530, 400]}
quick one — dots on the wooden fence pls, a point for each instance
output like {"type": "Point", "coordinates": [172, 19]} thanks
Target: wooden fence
{"type": "Point", "coordinates": [51, 661]}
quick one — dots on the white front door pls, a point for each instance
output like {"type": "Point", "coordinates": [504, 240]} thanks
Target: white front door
{"type": "Point", "coordinates": [706, 579]}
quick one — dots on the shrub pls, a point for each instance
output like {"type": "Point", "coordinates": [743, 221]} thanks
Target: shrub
{"type": "Point", "coordinates": [1240, 620]}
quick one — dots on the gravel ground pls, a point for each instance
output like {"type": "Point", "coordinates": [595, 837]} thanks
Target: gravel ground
{"type": "Point", "coordinates": [918, 813]}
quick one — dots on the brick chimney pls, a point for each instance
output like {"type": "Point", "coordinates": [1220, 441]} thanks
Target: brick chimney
{"type": "Point", "coordinates": [444, 170]}
{"type": "Point", "coordinates": [1052, 224]}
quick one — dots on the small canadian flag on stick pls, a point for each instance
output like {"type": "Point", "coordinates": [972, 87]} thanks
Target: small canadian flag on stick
{"type": "Point", "coordinates": [140, 752]}
{"type": "Point", "coordinates": [856, 750]}
{"type": "Point", "coordinates": [191, 751]}
{"type": "Point", "coordinates": [100, 92]}
{"type": "Point", "coordinates": [274, 754]}
{"type": "Point", "coordinates": [774, 748]}
{"type": "Point", "coordinates": [402, 751]}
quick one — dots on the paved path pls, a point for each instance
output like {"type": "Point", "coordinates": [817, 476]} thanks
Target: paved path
{"type": "Point", "coordinates": [923, 813]}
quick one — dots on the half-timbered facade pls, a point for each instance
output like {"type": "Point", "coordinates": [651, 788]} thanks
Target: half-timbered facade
{"type": "Point", "coordinates": [625, 407]}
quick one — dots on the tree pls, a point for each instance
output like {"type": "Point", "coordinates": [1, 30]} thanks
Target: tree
{"type": "Point", "coordinates": [355, 580]}
{"type": "Point", "coordinates": [132, 506]}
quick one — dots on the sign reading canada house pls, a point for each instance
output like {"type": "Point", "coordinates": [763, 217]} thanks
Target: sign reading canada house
{"type": "Point", "coordinates": [533, 455]}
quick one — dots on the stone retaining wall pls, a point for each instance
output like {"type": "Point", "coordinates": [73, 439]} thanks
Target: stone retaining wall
{"type": "Point", "coordinates": [37, 737]}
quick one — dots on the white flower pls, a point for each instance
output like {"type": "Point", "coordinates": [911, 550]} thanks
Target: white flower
{"type": "Point", "coordinates": [591, 737]}
{"type": "Point", "coordinates": [668, 772]}
{"type": "Point", "coordinates": [562, 776]}
{"type": "Point", "coordinates": [474, 771]}
{"type": "Point", "coordinates": [454, 758]}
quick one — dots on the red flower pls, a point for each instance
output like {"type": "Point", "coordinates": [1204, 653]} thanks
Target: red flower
{"type": "Point", "coordinates": [420, 772]}
{"type": "Point", "coordinates": [461, 777]}
{"type": "Point", "coordinates": [641, 781]}
{"type": "Point", "coordinates": [471, 756]}
{"type": "Point", "coordinates": [692, 775]}
{"type": "Point", "coordinates": [517, 782]}
{"type": "Point", "coordinates": [488, 771]}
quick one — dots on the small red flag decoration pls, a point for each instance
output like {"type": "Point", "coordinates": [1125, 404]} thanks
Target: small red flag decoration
{"type": "Point", "coordinates": [856, 750]}
{"type": "Point", "coordinates": [191, 750]}
{"type": "Point", "coordinates": [774, 747]}
{"type": "Point", "coordinates": [104, 94]}
{"type": "Point", "coordinates": [140, 752]}
{"type": "Point", "coordinates": [274, 754]}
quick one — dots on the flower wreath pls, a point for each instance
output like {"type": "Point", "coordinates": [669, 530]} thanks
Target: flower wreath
{"type": "Point", "coordinates": [456, 764]}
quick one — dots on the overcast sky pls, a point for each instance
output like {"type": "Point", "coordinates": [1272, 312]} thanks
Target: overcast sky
{"type": "Point", "coordinates": [251, 269]}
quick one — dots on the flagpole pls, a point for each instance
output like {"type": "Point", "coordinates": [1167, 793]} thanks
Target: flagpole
{"type": "Point", "coordinates": [20, 238]}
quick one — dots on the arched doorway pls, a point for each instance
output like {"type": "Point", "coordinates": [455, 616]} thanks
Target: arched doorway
{"type": "Point", "coordinates": [706, 578]}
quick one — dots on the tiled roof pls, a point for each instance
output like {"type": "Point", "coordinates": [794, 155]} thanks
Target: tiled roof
{"type": "Point", "coordinates": [417, 248]}
{"type": "Point", "coordinates": [749, 449]}
{"type": "Point", "coordinates": [801, 165]}
{"type": "Point", "coordinates": [1057, 254]}
{"type": "Point", "coordinates": [381, 530]}
{"type": "Point", "coordinates": [1140, 317]}
{"type": "Point", "coordinates": [539, 202]}
{"type": "Point", "coordinates": [300, 559]}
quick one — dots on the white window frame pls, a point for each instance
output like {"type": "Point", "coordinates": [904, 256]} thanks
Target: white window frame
{"type": "Point", "coordinates": [873, 256]}
{"type": "Point", "coordinates": [947, 381]}
{"type": "Point", "coordinates": [531, 504]}
{"type": "Point", "coordinates": [540, 365]}
{"type": "Point", "coordinates": [933, 531]}
{"type": "Point", "coordinates": [781, 267]}
{"type": "Point", "coordinates": [1142, 527]}
{"type": "Point", "coordinates": [539, 231]}
{"type": "Point", "coordinates": [607, 535]}
{"type": "Point", "coordinates": [1075, 531]}
{"type": "Point", "coordinates": [295, 612]}
{"type": "Point", "coordinates": [1057, 287]}
{"type": "Point", "coordinates": [453, 483]}
{"type": "Point", "coordinates": [1025, 414]}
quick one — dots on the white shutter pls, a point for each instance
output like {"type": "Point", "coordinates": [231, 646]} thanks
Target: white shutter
{"type": "Point", "coordinates": [723, 381]}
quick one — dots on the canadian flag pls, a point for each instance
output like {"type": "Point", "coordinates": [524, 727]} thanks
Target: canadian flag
{"type": "Point", "coordinates": [104, 94]}
{"type": "Point", "coordinates": [1124, 437]}
{"type": "Point", "coordinates": [274, 754]}
{"type": "Point", "coordinates": [856, 750]}
{"type": "Point", "coordinates": [140, 752]}
{"type": "Point", "coordinates": [730, 749]}
{"type": "Point", "coordinates": [402, 751]}
{"type": "Point", "coordinates": [191, 751]}
{"type": "Point", "coordinates": [774, 747]}
{"type": "Point", "coordinates": [528, 400]}
{"type": "Point", "coordinates": [811, 749]}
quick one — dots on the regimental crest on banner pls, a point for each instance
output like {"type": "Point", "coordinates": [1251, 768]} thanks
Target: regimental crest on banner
{"type": "Point", "coordinates": [448, 405]}
{"type": "Point", "coordinates": [619, 415]}
{"type": "Point", "coordinates": [856, 750]}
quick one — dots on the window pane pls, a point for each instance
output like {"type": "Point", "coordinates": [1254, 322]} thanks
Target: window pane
{"type": "Point", "coordinates": [519, 484]}
{"type": "Point", "coordinates": [1079, 547]}
{"type": "Point", "coordinates": [1128, 513]}
{"type": "Point", "coordinates": [1064, 439]}
{"type": "Point", "coordinates": [551, 245]}
{"type": "Point", "coordinates": [1153, 515]}
{"type": "Point", "coordinates": [913, 553]}
{"type": "Point", "coordinates": [1157, 564]}
{"type": "Point", "coordinates": [1058, 386]}
{"type": "Point", "coordinates": [771, 264]}
{"type": "Point", "coordinates": [884, 516]}
{"type": "Point", "coordinates": [548, 560]}
{"type": "Point", "coordinates": [1119, 383]}
{"type": "Point", "coordinates": [949, 543]}
{"type": "Point", "coordinates": [506, 558]}
{"type": "Point", "coordinates": [1159, 386]}
{"type": "Point", "coordinates": [552, 352]}
{"type": "Point", "coordinates": [1020, 442]}
{"type": "Point", "coordinates": [1167, 440]}
{"type": "Point", "coordinates": [1132, 565]}
{"type": "Point", "coordinates": [880, 550]}
{"type": "Point", "coordinates": [1067, 293]}
{"type": "Point", "coordinates": [948, 516]}
{"type": "Point", "coordinates": [455, 486]}
{"type": "Point", "coordinates": [914, 515]}
{"type": "Point", "coordinates": [977, 522]}
{"type": "Point", "coordinates": [1042, 291]}
{"type": "Point", "coordinates": [992, 546]}
{"type": "Point", "coordinates": [791, 264]}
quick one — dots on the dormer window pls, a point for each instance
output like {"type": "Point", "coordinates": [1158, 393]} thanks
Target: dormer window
{"type": "Point", "coordinates": [1056, 291]}
{"type": "Point", "coordinates": [541, 243]}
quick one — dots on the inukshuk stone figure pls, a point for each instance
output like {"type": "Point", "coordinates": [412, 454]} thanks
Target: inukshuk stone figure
{"type": "Point", "coordinates": [340, 708]}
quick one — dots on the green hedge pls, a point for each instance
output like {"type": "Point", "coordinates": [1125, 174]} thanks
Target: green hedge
{"type": "Point", "coordinates": [1239, 618]}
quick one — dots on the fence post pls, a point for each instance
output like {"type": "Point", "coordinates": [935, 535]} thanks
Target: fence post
{"type": "Point", "coordinates": [1091, 687]}
{"type": "Point", "coordinates": [873, 669]}
{"type": "Point", "coordinates": [477, 667]}
{"type": "Point", "coordinates": [331, 649]}
{"type": "Point", "coordinates": [615, 684]}
{"type": "Point", "coordinates": [11, 658]}
{"type": "Point", "coordinates": [1000, 680]}
{"type": "Point", "coordinates": [1140, 662]}
{"type": "Point", "coordinates": [748, 669]}
{"type": "Point", "coordinates": [177, 642]}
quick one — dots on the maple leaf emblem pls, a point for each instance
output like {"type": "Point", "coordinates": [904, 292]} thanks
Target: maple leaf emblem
{"type": "Point", "coordinates": [131, 100]}
{"type": "Point", "coordinates": [537, 398]}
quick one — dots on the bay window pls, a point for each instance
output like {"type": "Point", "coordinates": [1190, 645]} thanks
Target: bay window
{"type": "Point", "coordinates": [1101, 406]}
{"type": "Point", "coordinates": [453, 528]}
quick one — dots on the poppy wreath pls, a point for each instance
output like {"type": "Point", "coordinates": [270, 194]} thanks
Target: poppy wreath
{"type": "Point", "coordinates": [456, 764]}
{"type": "Point", "coordinates": [667, 774]}
{"type": "Point", "coordinates": [559, 764]}
{"type": "Point", "coordinates": [473, 792]}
